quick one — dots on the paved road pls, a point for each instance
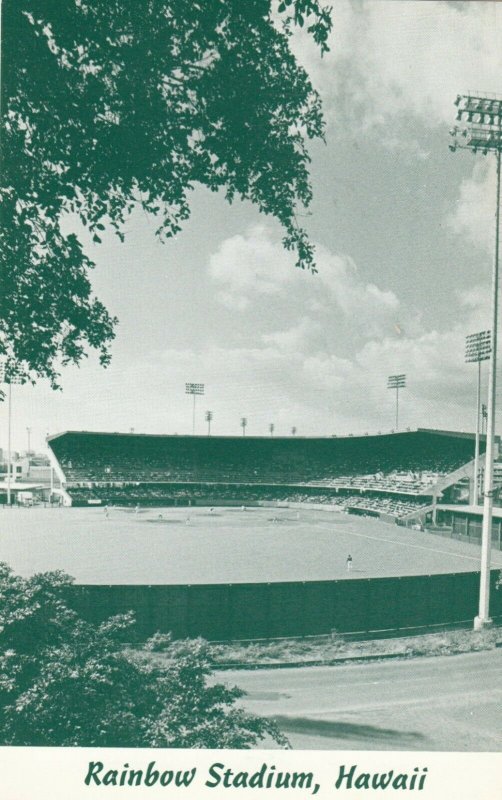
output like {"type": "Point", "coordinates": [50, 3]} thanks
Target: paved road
{"type": "Point", "coordinates": [440, 703]}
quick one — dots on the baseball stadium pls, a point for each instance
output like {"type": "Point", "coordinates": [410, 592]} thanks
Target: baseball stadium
{"type": "Point", "coordinates": [260, 537]}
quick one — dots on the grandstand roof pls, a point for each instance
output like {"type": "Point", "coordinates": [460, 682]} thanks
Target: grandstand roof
{"type": "Point", "coordinates": [407, 433]}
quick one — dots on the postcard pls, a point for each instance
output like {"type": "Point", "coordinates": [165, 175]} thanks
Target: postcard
{"type": "Point", "coordinates": [250, 468]}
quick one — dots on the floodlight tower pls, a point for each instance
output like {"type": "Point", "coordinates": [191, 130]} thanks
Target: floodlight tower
{"type": "Point", "coordinates": [396, 382]}
{"type": "Point", "coordinates": [244, 422]}
{"type": "Point", "coordinates": [209, 417]}
{"type": "Point", "coordinates": [9, 377]}
{"type": "Point", "coordinates": [195, 389]}
{"type": "Point", "coordinates": [480, 116]}
{"type": "Point", "coordinates": [477, 349]}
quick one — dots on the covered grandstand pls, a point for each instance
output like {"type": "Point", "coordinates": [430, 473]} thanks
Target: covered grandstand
{"type": "Point", "coordinates": [397, 475]}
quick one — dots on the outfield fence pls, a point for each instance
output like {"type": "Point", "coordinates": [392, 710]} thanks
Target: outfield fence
{"type": "Point", "coordinates": [223, 612]}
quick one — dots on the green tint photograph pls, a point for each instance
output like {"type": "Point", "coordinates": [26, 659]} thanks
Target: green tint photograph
{"type": "Point", "coordinates": [250, 393]}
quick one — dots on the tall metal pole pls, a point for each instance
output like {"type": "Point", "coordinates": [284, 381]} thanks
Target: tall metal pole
{"type": "Point", "coordinates": [209, 417]}
{"type": "Point", "coordinates": [396, 382]}
{"type": "Point", "coordinates": [481, 118]}
{"type": "Point", "coordinates": [483, 617]}
{"type": "Point", "coordinates": [194, 389]}
{"type": "Point", "coordinates": [9, 454]}
{"type": "Point", "coordinates": [477, 349]}
{"type": "Point", "coordinates": [476, 448]}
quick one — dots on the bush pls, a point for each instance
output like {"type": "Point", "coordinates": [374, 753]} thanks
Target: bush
{"type": "Point", "coordinates": [64, 681]}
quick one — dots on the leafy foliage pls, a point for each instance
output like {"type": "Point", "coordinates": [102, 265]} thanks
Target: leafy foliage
{"type": "Point", "coordinates": [66, 682]}
{"type": "Point", "coordinates": [107, 106]}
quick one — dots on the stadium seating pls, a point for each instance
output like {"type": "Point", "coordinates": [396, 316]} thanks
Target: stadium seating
{"type": "Point", "coordinates": [407, 462]}
{"type": "Point", "coordinates": [171, 494]}
{"type": "Point", "coordinates": [391, 474]}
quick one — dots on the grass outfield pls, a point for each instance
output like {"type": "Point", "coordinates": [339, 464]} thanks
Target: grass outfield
{"type": "Point", "coordinates": [157, 546]}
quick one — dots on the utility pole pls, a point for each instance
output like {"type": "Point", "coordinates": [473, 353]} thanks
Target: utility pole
{"type": "Point", "coordinates": [396, 382]}
{"type": "Point", "coordinates": [9, 377]}
{"type": "Point", "coordinates": [209, 417]}
{"type": "Point", "coordinates": [477, 349]}
{"type": "Point", "coordinates": [195, 389]}
{"type": "Point", "coordinates": [481, 119]}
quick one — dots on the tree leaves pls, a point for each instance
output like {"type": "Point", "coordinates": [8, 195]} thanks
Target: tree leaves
{"type": "Point", "coordinates": [109, 106]}
{"type": "Point", "coordinates": [66, 682]}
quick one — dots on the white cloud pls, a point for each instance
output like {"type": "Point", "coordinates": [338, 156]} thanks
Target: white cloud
{"type": "Point", "coordinates": [303, 336]}
{"type": "Point", "coordinates": [389, 60]}
{"type": "Point", "coordinates": [394, 65]}
{"type": "Point", "coordinates": [340, 276]}
{"type": "Point", "coordinates": [475, 307]}
{"type": "Point", "coordinates": [247, 267]}
{"type": "Point", "coordinates": [474, 216]}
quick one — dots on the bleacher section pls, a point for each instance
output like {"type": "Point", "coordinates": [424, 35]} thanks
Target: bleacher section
{"type": "Point", "coordinates": [392, 474]}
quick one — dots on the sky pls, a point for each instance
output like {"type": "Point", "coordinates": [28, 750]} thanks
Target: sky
{"type": "Point", "coordinates": [404, 234]}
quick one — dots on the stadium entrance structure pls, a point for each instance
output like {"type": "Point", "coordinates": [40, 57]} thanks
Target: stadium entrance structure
{"type": "Point", "coordinates": [393, 476]}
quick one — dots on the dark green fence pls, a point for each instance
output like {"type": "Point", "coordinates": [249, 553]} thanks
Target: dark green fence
{"type": "Point", "coordinates": [268, 610]}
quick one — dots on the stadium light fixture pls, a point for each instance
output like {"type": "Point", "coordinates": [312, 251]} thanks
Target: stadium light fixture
{"type": "Point", "coordinates": [477, 349]}
{"type": "Point", "coordinates": [209, 418]}
{"type": "Point", "coordinates": [10, 376]}
{"type": "Point", "coordinates": [195, 389]}
{"type": "Point", "coordinates": [244, 423]}
{"type": "Point", "coordinates": [396, 382]}
{"type": "Point", "coordinates": [480, 130]}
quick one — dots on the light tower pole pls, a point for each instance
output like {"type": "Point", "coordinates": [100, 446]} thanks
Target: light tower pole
{"type": "Point", "coordinates": [481, 120]}
{"type": "Point", "coordinates": [396, 382]}
{"type": "Point", "coordinates": [477, 349]}
{"type": "Point", "coordinates": [244, 423]}
{"type": "Point", "coordinates": [195, 389]}
{"type": "Point", "coordinates": [209, 417]}
{"type": "Point", "coordinates": [9, 377]}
